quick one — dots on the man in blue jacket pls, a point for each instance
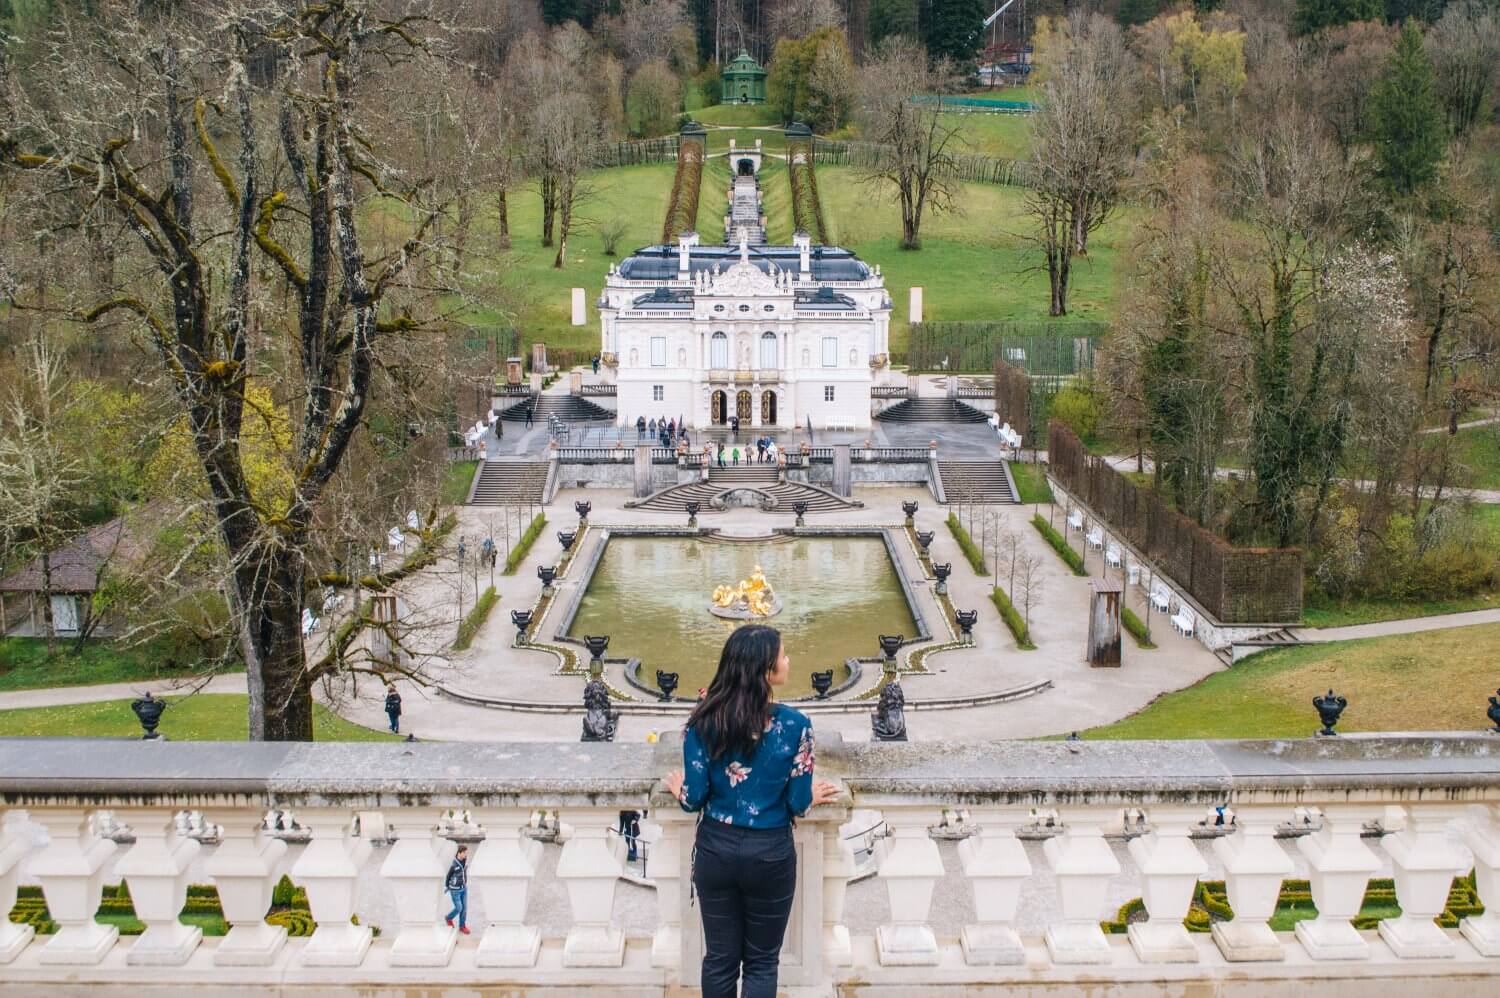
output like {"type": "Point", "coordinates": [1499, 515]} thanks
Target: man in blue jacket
{"type": "Point", "coordinates": [457, 886]}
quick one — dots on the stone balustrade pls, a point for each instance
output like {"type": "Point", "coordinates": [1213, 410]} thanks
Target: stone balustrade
{"type": "Point", "coordinates": [1062, 821]}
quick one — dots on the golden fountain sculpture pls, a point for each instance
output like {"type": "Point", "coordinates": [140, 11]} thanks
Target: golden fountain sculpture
{"type": "Point", "coordinates": [751, 599]}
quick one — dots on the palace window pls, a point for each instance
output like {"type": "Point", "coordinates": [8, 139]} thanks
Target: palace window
{"type": "Point", "coordinates": [658, 393]}
{"type": "Point", "coordinates": [719, 353]}
{"type": "Point", "coordinates": [830, 351]}
{"type": "Point", "coordinates": [658, 351]}
{"type": "Point", "coordinates": [827, 393]}
{"type": "Point", "coordinates": [768, 352]}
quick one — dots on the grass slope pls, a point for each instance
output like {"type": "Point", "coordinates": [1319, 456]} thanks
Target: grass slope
{"type": "Point", "coordinates": [1433, 681]}
{"type": "Point", "coordinates": [203, 717]}
{"type": "Point", "coordinates": [24, 664]}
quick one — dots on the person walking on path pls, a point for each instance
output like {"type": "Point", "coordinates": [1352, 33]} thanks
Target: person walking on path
{"type": "Point", "coordinates": [721, 453]}
{"type": "Point", "coordinates": [393, 707]}
{"type": "Point", "coordinates": [529, 409]}
{"type": "Point", "coordinates": [736, 455]}
{"type": "Point", "coordinates": [457, 886]}
{"type": "Point", "coordinates": [640, 427]}
{"type": "Point", "coordinates": [748, 766]}
{"type": "Point", "coordinates": [596, 363]}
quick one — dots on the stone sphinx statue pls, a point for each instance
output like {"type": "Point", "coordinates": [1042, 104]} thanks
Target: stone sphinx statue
{"type": "Point", "coordinates": [598, 720]}
{"type": "Point", "coordinates": [888, 720]}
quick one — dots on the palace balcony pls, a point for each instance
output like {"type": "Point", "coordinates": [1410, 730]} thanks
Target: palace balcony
{"type": "Point", "coordinates": [987, 870]}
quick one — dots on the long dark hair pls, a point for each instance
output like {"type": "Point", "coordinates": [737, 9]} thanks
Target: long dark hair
{"type": "Point", "coordinates": [732, 715]}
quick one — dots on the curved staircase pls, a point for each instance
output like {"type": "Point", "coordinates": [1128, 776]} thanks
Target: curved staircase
{"type": "Point", "coordinates": [932, 411]}
{"type": "Point", "coordinates": [761, 477]}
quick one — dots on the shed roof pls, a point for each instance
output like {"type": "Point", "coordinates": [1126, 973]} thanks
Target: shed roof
{"type": "Point", "coordinates": [77, 564]}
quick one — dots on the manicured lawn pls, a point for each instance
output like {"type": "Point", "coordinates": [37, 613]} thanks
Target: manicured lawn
{"type": "Point", "coordinates": [24, 664]}
{"type": "Point", "coordinates": [457, 478]}
{"type": "Point", "coordinates": [1369, 611]}
{"type": "Point", "coordinates": [978, 264]}
{"type": "Point", "coordinates": [737, 114]}
{"type": "Point", "coordinates": [1006, 135]}
{"type": "Point", "coordinates": [1479, 449]}
{"type": "Point", "coordinates": [1432, 681]}
{"type": "Point", "coordinates": [1031, 482]}
{"type": "Point", "coordinates": [203, 717]}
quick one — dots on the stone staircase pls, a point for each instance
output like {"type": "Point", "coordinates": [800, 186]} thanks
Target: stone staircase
{"type": "Point", "coordinates": [932, 411]}
{"type": "Point", "coordinates": [568, 408]}
{"type": "Point", "coordinates": [762, 477]}
{"type": "Point", "coordinates": [1280, 638]}
{"type": "Point", "coordinates": [509, 483]}
{"type": "Point", "coordinates": [744, 211]}
{"type": "Point", "coordinates": [977, 481]}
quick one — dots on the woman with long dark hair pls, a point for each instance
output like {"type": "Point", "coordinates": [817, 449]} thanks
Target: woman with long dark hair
{"type": "Point", "coordinates": [749, 769]}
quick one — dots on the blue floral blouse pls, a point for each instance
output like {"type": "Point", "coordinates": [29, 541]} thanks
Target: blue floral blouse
{"type": "Point", "coordinates": [766, 790]}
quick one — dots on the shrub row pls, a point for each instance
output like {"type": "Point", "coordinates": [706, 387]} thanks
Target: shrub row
{"type": "Point", "coordinates": [682, 209]}
{"type": "Point", "coordinates": [523, 546]}
{"type": "Point", "coordinates": [1059, 544]}
{"type": "Point", "coordinates": [475, 619]}
{"type": "Point", "coordinates": [1013, 619]}
{"type": "Point", "coordinates": [967, 546]}
{"type": "Point", "coordinates": [1136, 627]}
{"type": "Point", "coordinates": [807, 208]}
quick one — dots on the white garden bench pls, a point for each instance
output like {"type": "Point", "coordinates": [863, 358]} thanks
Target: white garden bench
{"type": "Point", "coordinates": [1095, 538]}
{"type": "Point", "coordinates": [1161, 598]}
{"type": "Point", "coordinates": [1075, 520]}
{"type": "Point", "coordinates": [1112, 556]}
{"type": "Point", "coordinates": [1182, 621]}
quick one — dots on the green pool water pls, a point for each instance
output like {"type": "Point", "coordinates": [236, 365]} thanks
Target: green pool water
{"type": "Point", "coordinates": [651, 596]}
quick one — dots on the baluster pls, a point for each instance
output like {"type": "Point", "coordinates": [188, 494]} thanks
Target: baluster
{"type": "Point", "coordinates": [502, 869]}
{"type": "Point", "coordinates": [1254, 867]}
{"type": "Point", "coordinates": [13, 848]}
{"type": "Point", "coordinates": [156, 871]}
{"type": "Point", "coordinates": [910, 870]}
{"type": "Point", "coordinates": [245, 868]}
{"type": "Point", "coordinates": [995, 863]}
{"type": "Point", "coordinates": [663, 839]}
{"type": "Point", "coordinates": [1424, 865]}
{"type": "Point", "coordinates": [1170, 867]}
{"type": "Point", "coordinates": [1083, 864]}
{"type": "Point", "coordinates": [329, 870]}
{"type": "Point", "coordinates": [71, 869]}
{"type": "Point", "coordinates": [1483, 839]}
{"type": "Point", "coordinates": [838, 867]}
{"type": "Point", "coordinates": [590, 868]}
{"type": "Point", "coordinates": [1340, 869]}
{"type": "Point", "coordinates": [416, 868]}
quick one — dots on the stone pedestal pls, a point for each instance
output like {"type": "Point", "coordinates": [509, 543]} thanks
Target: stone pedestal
{"type": "Point", "coordinates": [642, 470]}
{"type": "Point", "coordinates": [1340, 867]}
{"type": "Point", "coordinates": [838, 867]}
{"type": "Point", "coordinates": [1423, 867]}
{"type": "Point", "coordinates": [996, 866]}
{"type": "Point", "coordinates": [1104, 623]}
{"type": "Point", "coordinates": [416, 868]}
{"type": "Point", "coordinates": [329, 869]}
{"type": "Point", "coordinates": [842, 477]}
{"type": "Point", "coordinates": [590, 869]}
{"type": "Point", "coordinates": [155, 870]}
{"type": "Point", "coordinates": [1170, 867]}
{"type": "Point", "coordinates": [910, 870]}
{"type": "Point", "coordinates": [502, 870]}
{"type": "Point", "coordinates": [1083, 864]}
{"type": "Point", "coordinates": [663, 841]}
{"type": "Point", "coordinates": [1483, 839]}
{"type": "Point", "coordinates": [1254, 866]}
{"type": "Point", "coordinates": [580, 307]}
{"type": "Point", "coordinates": [515, 371]}
{"type": "Point", "coordinates": [245, 868]}
{"type": "Point", "coordinates": [71, 872]}
{"type": "Point", "coordinates": [914, 305]}
{"type": "Point", "coordinates": [536, 382]}
{"type": "Point", "coordinates": [13, 848]}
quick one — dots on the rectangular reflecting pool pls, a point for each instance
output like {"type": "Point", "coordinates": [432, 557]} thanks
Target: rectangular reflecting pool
{"type": "Point", "coordinates": [651, 596]}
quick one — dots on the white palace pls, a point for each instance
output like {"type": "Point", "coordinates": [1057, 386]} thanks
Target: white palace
{"type": "Point", "coordinates": [778, 335]}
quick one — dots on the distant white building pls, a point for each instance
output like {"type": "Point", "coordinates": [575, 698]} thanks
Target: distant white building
{"type": "Point", "coordinates": [778, 335]}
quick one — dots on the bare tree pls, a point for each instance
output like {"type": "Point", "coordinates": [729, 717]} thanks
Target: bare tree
{"type": "Point", "coordinates": [1465, 50]}
{"type": "Point", "coordinates": [1027, 589]}
{"type": "Point", "coordinates": [915, 140]}
{"type": "Point", "coordinates": [152, 104]}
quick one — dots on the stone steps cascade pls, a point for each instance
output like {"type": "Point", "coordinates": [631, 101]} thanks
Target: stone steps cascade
{"type": "Point", "coordinates": [977, 481]}
{"type": "Point", "coordinates": [510, 483]}
{"type": "Point", "coordinates": [785, 493]}
{"type": "Point", "coordinates": [568, 408]}
{"type": "Point", "coordinates": [932, 411]}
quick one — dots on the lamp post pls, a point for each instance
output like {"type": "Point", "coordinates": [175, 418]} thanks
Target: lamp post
{"type": "Point", "coordinates": [461, 577]}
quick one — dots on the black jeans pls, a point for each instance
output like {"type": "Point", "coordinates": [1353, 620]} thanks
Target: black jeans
{"type": "Point", "coordinates": [745, 880]}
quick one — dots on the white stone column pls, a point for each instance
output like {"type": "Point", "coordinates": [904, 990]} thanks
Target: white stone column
{"type": "Point", "coordinates": [329, 870]}
{"type": "Point", "coordinates": [1340, 867]}
{"type": "Point", "coordinates": [910, 870]}
{"type": "Point", "coordinates": [416, 868]}
{"type": "Point", "coordinates": [245, 868]}
{"type": "Point", "coordinates": [838, 867]}
{"type": "Point", "coordinates": [1424, 865]}
{"type": "Point", "coordinates": [501, 870]}
{"type": "Point", "coordinates": [1254, 867]}
{"type": "Point", "coordinates": [71, 871]}
{"type": "Point", "coordinates": [1083, 864]}
{"type": "Point", "coordinates": [13, 848]}
{"type": "Point", "coordinates": [590, 869]}
{"type": "Point", "coordinates": [664, 843]}
{"type": "Point", "coordinates": [156, 871]}
{"type": "Point", "coordinates": [1483, 839]}
{"type": "Point", "coordinates": [995, 863]}
{"type": "Point", "coordinates": [1170, 867]}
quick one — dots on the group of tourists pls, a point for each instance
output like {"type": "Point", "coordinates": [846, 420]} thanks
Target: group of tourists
{"type": "Point", "coordinates": [766, 451]}
{"type": "Point", "coordinates": [667, 432]}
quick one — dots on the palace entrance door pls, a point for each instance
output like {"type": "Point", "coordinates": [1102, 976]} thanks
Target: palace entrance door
{"type": "Point", "coordinates": [742, 407]}
{"type": "Point", "coordinates": [768, 408]}
{"type": "Point", "coordinates": [717, 405]}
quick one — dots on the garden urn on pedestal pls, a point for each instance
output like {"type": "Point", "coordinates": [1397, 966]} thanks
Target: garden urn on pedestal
{"type": "Point", "coordinates": [941, 573]}
{"type": "Point", "coordinates": [522, 620]}
{"type": "Point", "coordinates": [910, 509]}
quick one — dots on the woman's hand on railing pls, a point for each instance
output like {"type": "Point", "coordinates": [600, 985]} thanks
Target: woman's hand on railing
{"type": "Point", "coordinates": [824, 793]}
{"type": "Point", "coordinates": [674, 784]}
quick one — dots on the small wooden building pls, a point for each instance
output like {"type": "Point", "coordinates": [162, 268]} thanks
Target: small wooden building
{"type": "Point", "coordinates": [76, 569]}
{"type": "Point", "coordinates": [744, 81]}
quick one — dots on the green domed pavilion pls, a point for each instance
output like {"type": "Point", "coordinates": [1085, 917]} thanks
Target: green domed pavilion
{"type": "Point", "coordinates": [744, 81]}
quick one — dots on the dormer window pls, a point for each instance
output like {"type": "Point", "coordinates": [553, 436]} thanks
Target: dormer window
{"type": "Point", "coordinates": [744, 308]}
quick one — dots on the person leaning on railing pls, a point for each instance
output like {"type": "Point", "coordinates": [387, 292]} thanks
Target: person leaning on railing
{"type": "Point", "coordinates": [748, 767]}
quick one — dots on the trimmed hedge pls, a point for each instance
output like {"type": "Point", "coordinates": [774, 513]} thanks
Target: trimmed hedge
{"type": "Point", "coordinates": [807, 207]}
{"type": "Point", "coordinates": [1013, 619]}
{"type": "Point", "coordinates": [1059, 544]}
{"type": "Point", "coordinates": [967, 546]}
{"type": "Point", "coordinates": [682, 209]}
{"type": "Point", "coordinates": [1136, 627]}
{"type": "Point", "coordinates": [475, 619]}
{"type": "Point", "coordinates": [523, 546]}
